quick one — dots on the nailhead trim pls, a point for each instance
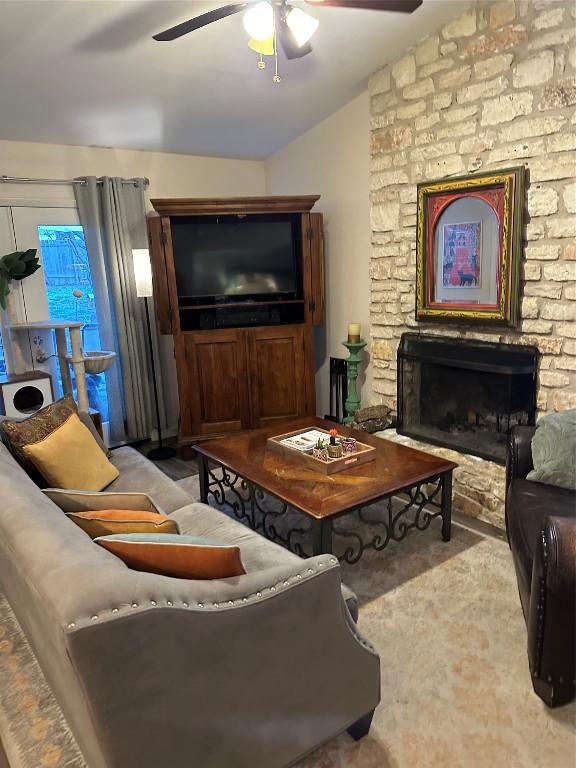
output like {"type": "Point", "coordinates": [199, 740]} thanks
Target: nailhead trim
{"type": "Point", "coordinates": [238, 601]}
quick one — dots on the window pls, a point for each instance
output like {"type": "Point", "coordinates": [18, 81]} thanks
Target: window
{"type": "Point", "coordinates": [70, 294]}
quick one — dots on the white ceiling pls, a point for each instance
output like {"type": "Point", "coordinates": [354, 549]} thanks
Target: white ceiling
{"type": "Point", "coordinates": [87, 72]}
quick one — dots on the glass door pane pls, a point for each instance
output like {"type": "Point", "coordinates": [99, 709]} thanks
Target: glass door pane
{"type": "Point", "coordinates": [70, 294]}
{"type": "Point", "coordinates": [62, 289]}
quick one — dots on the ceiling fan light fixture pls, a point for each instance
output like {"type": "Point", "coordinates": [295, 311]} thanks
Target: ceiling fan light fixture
{"type": "Point", "coordinates": [259, 21]}
{"type": "Point", "coordinates": [302, 25]}
{"type": "Point", "coordinates": [265, 47]}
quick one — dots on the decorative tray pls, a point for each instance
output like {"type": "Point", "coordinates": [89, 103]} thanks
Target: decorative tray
{"type": "Point", "coordinates": [285, 443]}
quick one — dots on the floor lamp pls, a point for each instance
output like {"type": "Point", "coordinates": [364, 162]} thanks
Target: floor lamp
{"type": "Point", "coordinates": [143, 276]}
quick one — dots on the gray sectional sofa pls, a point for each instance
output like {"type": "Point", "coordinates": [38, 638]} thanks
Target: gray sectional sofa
{"type": "Point", "coordinates": [150, 671]}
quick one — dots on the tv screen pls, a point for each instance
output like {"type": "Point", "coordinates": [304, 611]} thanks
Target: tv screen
{"type": "Point", "coordinates": [224, 259]}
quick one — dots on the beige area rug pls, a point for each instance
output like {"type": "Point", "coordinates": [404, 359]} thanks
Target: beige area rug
{"type": "Point", "coordinates": [456, 691]}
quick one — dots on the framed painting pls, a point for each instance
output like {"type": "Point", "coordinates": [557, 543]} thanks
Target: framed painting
{"type": "Point", "coordinates": [469, 248]}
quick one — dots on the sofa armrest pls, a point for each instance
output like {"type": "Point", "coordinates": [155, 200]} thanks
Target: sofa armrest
{"type": "Point", "coordinates": [250, 680]}
{"type": "Point", "coordinates": [89, 501]}
{"type": "Point", "coordinates": [551, 620]}
{"type": "Point", "coordinates": [519, 453]}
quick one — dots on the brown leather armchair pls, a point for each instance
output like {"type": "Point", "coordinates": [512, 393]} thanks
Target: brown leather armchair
{"type": "Point", "coordinates": [541, 527]}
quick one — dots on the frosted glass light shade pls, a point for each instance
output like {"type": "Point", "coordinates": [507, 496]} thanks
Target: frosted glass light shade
{"type": "Point", "coordinates": [259, 21]}
{"type": "Point", "coordinates": [142, 272]}
{"type": "Point", "coordinates": [302, 25]}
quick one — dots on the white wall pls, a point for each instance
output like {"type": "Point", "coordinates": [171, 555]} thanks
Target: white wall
{"type": "Point", "coordinates": [332, 159]}
{"type": "Point", "coordinates": [170, 176]}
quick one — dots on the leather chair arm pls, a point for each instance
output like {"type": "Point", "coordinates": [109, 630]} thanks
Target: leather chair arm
{"type": "Point", "coordinates": [519, 454]}
{"type": "Point", "coordinates": [551, 620]}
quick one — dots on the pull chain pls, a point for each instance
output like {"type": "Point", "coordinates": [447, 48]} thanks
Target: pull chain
{"type": "Point", "coordinates": [276, 79]}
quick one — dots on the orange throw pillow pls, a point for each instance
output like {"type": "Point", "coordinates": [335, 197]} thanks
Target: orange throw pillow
{"type": "Point", "coordinates": [186, 557]}
{"type": "Point", "coordinates": [109, 521]}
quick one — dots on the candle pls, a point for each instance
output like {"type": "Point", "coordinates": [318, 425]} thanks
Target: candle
{"type": "Point", "coordinates": [354, 333]}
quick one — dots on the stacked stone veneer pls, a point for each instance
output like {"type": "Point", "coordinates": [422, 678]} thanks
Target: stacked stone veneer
{"type": "Point", "coordinates": [496, 87]}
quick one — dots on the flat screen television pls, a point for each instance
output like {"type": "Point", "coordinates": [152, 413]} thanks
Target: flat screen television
{"type": "Point", "coordinates": [232, 259]}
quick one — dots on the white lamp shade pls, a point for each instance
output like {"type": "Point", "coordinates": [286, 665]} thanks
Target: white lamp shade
{"type": "Point", "coordinates": [142, 272]}
{"type": "Point", "coordinates": [302, 25]}
{"type": "Point", "coordinates": [259, 21]}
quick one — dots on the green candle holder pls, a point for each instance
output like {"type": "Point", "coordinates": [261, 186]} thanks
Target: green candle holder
{"type": "Point", "coordinates": [352, 403]}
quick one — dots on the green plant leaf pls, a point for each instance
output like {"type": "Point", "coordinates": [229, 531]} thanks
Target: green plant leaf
{"type": "Point", "coordinates": [16, 266]}
{"type": "Point", "coordinates": [4, 290]}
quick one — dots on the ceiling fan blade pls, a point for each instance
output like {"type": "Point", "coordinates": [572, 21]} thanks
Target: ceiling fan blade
{"type": "Point", "coordinates": [291, 50]}
{"type": "Point", "coordinates": [200, 21]}
{"type": "Point", "coordinates": [400, 6]}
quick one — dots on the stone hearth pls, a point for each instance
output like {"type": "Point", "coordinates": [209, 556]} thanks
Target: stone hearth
{"type": "Point", "coordinates": [479, 485]}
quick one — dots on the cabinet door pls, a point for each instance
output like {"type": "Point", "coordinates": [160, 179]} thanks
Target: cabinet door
{"type": "Point", "coordinates": [317, 267]}
{"type": "Point", "coordinates": [313, 267]}
{"type": "Point", "coordinates": [162, 303]}
{"type": "Point", "coordinates": [277, 373]}
{"type": "Point", "coordinates": [214, 385]}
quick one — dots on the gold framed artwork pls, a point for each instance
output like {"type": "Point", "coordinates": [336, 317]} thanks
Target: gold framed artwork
{"type": "Point", "coordinates": [469, 248]}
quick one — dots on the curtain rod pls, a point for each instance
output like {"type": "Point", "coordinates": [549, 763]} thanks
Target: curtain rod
{"type": "Point", "coordinates": [26, 180]}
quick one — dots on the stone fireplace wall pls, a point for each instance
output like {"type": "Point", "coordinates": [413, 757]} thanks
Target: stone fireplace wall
{"type": "Point", "coordinates": [494, 88]}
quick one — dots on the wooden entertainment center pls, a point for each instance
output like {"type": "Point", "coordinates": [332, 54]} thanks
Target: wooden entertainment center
{"type": "Point", "coordinates": [248, 364]}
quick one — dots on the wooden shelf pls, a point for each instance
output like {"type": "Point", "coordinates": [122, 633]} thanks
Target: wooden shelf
{"type": "Point", "coordinates": [239, 305]}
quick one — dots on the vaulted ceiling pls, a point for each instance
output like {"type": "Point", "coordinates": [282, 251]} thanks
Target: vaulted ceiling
{"type": "Point", "coordinates": [87, 72]}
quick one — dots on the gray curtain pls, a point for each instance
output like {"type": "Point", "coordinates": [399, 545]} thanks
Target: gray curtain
{"type": "Point", "coordinates": [113, 215]}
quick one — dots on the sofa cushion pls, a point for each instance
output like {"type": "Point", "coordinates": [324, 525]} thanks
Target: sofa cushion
{"type": "Point", "coordinates": [257, 551]}
{"type": "Point", "coordinates": [528, 505]}
{"type": "Point", "coordinates": [137, 473]}
{"type": "Point", "coordinates": [69, 457]}
{"type": "Point", "coordinates": [185, 557]}
{"type": "Point", "coordinates": [106, 522]}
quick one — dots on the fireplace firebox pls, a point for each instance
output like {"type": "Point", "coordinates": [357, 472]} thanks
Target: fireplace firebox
{"type": "Point", "coordinates": [465, 394]}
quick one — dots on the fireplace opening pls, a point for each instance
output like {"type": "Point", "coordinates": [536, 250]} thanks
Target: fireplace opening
{"type": "Point", "coordinates": [465, 394]}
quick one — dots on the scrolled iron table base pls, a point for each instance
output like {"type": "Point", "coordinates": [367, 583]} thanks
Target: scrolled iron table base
{"type": "Point", "coordinates": [406, 509]}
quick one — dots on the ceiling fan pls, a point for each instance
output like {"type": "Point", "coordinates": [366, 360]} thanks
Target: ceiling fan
{"type": "Point", "coordinates": [269, 22]}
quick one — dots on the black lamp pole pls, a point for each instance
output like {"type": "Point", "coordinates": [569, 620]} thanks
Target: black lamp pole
{"type": "Point", "coordinates": [161, 452]}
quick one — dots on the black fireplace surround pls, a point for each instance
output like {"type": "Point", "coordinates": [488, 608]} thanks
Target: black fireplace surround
{"type": "Point", "coordinates": [465, 394]}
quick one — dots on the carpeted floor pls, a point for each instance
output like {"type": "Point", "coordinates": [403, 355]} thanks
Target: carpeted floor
{"type": "Point", "coordinates": [456, 691]}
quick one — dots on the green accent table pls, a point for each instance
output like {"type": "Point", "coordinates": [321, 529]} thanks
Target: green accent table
{"type": "Point", "coordinates": [352, 403]}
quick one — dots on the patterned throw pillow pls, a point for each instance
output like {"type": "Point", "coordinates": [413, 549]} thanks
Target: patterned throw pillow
{"type": "Point", "coordinates": [35, 428]}
{"type": "Point", "coordinates": [106, 522]}
{"type": "Point", "coordinates": [186, 557]}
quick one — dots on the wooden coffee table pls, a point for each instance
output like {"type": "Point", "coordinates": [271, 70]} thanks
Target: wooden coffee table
{"type": "Point", "coordinates": [239, 470]}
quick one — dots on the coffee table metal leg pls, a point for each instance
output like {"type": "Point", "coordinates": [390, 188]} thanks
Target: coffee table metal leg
{"type": "Point", "coordinates": [203, 476]}
{"type": "Point", "coordinates": [446, 506]}
{"type": "Point", "coordinates": [322, 537]}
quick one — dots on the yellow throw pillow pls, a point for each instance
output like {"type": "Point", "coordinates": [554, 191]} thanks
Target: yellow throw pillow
{"type": "Point", "coordinates": [69, 457]}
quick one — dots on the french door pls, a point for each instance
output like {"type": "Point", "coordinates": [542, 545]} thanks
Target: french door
{"type": "Point", "coordinates": [61, 290]}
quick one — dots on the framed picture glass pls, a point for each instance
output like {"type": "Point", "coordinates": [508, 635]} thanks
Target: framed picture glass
{"type": "Point", "coordinates": [469, 248]}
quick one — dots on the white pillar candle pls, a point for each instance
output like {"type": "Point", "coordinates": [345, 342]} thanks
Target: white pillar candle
{"type": "Point", "coordinates": [354, 332]}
